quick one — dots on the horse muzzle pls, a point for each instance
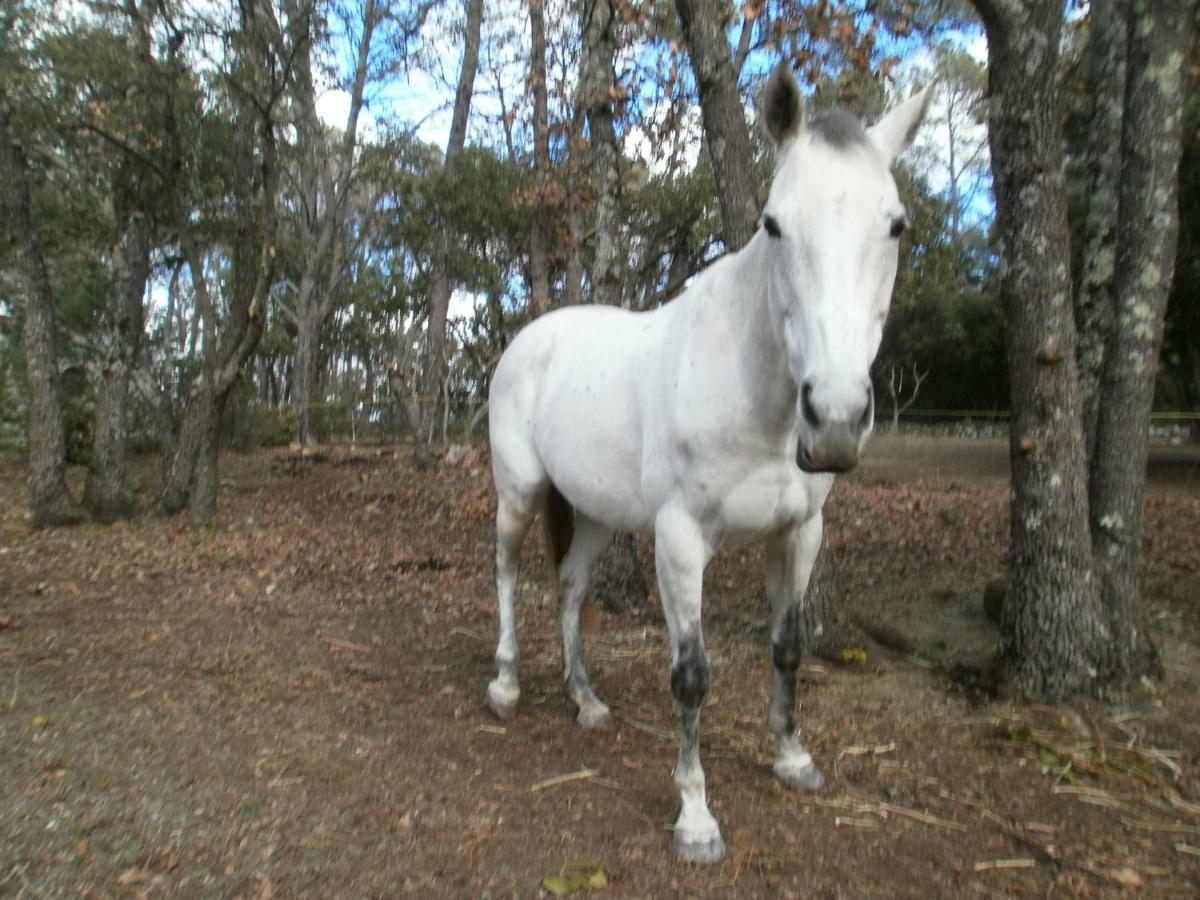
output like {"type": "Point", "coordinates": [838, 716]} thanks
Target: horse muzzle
{"type": "Point", "coordinates": [835, 450]}
{"type": "Point", "coordinates": [829, 442]}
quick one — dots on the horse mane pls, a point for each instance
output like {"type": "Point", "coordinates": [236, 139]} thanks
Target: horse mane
{"type": "Point", "coordinates": [838, 128]}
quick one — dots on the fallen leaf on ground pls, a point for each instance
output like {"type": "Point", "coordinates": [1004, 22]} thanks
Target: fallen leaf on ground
{"type": "Point", "coordinates": [853, 656]}
{"type": "Point", "coordinates": [134, 876]}
{"type": "Point", "coordinates": [583, 876]}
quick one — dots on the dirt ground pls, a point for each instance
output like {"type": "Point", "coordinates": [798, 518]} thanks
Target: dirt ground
{"type": "Point", "coordinates": [290, 704]}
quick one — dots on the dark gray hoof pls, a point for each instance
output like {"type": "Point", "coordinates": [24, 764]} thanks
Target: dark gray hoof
{"type": "Point", "coordinates": [804, 778]}
{"type": "Point", "coordinates": [706, 847]}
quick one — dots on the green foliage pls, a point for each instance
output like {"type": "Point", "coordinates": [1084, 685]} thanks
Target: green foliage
{"type": "Point", "coordinates": [274, 426]}
{"type": "Point", "coordinates": [946, 317]}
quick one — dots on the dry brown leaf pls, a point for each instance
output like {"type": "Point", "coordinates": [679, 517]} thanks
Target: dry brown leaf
{"type": "Point", "coordinates": [134, 875]}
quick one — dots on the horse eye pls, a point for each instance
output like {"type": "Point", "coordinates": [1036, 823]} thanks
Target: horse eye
{"type": "Point", "coordinates": [898, 226]}
{"type": "Point", "coordinates": [771, 226]}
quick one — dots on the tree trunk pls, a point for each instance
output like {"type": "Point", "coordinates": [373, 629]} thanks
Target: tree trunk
{"type": "Point", "coordinates": [50, 501]}
{"type": "Point", "coordinates": [619, 584]}
{"type": "Point", "coordinates": [230, 340]}
{"type": "Point", "coordinates": [104, 494]}
{"type": "Point", "coordinates": [1094, 302]}
{"type": "Point", "coordinates": [539, 264]}
{"type": "Point", "coordinates": [573, 289]}
{"type": "Point", "coordinates": [596, 96]}
{"type": "Point", "coordinates": [202, 506]}
{"type": "Point", "coordinates": [305, 374]}
{"type": "Point", "coordinates": [721, 107]}
{"type": "Point", "coordinates": [179, 461]}
{"type": "Point", "coordinates": [439, 287]}
{"type": "Point", "coordinates": [823, 615]}
{"type": "Point", "coordinates": [1151, 142]}
{"type": "Point", "coordinates": [1054, 633]}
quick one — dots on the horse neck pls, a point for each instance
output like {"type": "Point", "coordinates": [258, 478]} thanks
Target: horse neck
{"type": "Point", "coordinates": [740, 303]}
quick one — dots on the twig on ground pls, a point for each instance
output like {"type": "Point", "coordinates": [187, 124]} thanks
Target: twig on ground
{"type": "Point", "coordinates": [562, 779]}
{"type": "Point", "coordinates": [339, 644]}
{"type": "Point", "coordinates": [855, 821]}
{"type": "Point", "coordinates": [1164, 827]}
{"type": "Point", "coordinates": [859, 750]}
{"type": "Point", "coordinates": [1094, 796]}
{"type": "Point", "coordinates": [661, 733]}
{"type": "Point", "coordinates": [986, 864]}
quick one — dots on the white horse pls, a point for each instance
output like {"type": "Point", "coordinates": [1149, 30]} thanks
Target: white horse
{"type": "Point", "coordinates": [717, 417]}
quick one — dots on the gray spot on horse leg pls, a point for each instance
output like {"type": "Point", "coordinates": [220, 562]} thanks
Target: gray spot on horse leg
{"type": "Point", "coordinates": [689, 675]}
{"type": "Point", "coordinates": [697, 836]}
{"type": "Point", "coordinates": [786, 585]}
{"type": "Point", "coordinates": [786, 653]}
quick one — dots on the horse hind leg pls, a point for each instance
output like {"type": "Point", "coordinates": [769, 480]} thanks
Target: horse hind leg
{"type": "Point", "coordinates": [590, 539]}
{"type": "Point", "coordinates": [513, 517]}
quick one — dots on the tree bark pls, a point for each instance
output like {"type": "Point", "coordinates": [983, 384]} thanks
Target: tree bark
{"type": "Point", "coordinates": [539, 264]}
{"type": "Point", "coordinates": [305, 374]}
{"type": "Point", "coordinates": [728, 138]}
{"type": "Point", "coordinates": [104, 494]}
{"type": "Point", "coordinates": [50, 501]}
{"type": "Point", "coordinates": [823, 615]}
{"type": "Point", "coordinates": [439, 288]}
{"type": "Point", "coordinates": [596, 97]}
{"type": "Point", "coordinates": [1094, 300]}
{"type": "Point", "coordinates": [1151, 143]}
{"type": "Point", "coordinates": [1053, 633]}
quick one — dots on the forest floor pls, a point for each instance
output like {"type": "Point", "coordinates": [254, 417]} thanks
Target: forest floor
{"type": "Point", "coordinates": [291, 704]}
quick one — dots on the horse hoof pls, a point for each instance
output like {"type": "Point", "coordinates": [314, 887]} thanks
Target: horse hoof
{"type": "Point", "coordinates": [702, 847]}
{"type": "Point", "coordinates": [595, 718]}
{"type": "Point", "coordinates": [806, 778]}
{"type": "Point", "coordinates": [502, 701]}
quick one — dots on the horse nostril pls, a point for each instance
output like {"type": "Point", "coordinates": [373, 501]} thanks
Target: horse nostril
{"type": "Point", "coordinates": [806, 405]}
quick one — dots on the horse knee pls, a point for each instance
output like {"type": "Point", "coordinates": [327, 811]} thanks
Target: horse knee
{"type": "Point", "coordinates": [689, 675]}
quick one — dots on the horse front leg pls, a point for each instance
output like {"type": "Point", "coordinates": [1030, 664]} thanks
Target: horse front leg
{"type": "Point", "coordinates": [790, 558]}
{"type": "Point", "coordinates": [680, 557]}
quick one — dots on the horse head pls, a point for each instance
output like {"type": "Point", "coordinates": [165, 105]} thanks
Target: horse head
{"type": "Point", "coordinates": [833, 219]}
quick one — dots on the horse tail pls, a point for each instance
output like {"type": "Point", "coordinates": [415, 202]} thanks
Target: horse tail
{"type": "Point", "coordinates": [558, 528]}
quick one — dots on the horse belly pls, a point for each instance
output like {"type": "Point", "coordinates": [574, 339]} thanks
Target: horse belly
{"type": "Point", "coordinates": [589, 433]}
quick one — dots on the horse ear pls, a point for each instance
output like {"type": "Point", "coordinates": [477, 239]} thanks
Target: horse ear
{"type": "Point", "coordinates": [894, 133]}
{"type": "Point", "coordinates": [782, 112]}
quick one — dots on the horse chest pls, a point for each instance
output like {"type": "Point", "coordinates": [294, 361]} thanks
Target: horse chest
{"type": "Point", "coordinates": [766, 500]}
